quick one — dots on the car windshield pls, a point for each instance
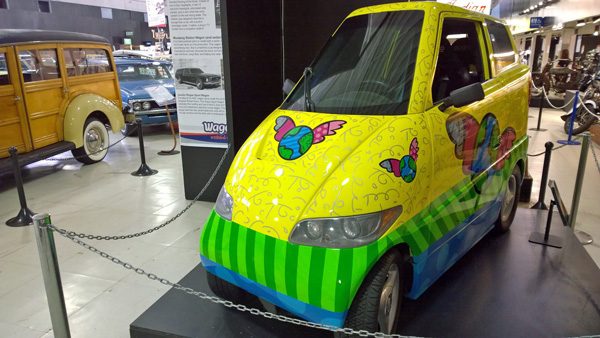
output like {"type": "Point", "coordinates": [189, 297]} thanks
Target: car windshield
{"type": "Point", "coordinates": [366, 68]}
{"type": "Point", "coordinates": [143, 72]}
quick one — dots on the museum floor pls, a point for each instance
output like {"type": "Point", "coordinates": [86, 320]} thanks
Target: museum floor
{"type": "Point", "coordinates": [103, 298]}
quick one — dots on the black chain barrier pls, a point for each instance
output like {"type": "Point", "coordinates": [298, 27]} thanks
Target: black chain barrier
{"type": "Point", "coordinates": [217, 300]}
{"type": "Point", "coordinates": [553, 149]}
{"type": "Point", "coordinates": [160, 226]}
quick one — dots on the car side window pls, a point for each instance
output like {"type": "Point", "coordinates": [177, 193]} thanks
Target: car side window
{"type": "Point", "coordinates": [4, 77]}
{"type": "Point", "coordinates": [503, 53]}
{"type": "Point", "coordinates": [84, 61]}
{"type": "Point", "coordinates": [459, 61]}
{"type": "Point", "coordinates": [39, 64]}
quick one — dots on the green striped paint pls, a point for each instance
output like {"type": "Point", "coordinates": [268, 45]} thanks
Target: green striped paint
{"type": "Point", "coordinates": [315, 275]}
{"type": "Point", "coordinates": [329, 278]}
{"type": "Point", "coordinates": [303, 275]}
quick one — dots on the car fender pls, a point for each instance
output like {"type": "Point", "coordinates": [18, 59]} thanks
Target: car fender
{"type": "Point", "coordinates": [81, 107]}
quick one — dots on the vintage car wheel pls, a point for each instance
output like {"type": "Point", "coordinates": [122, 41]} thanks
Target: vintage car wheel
{"type": "Point", "coordinates": [377, 304]}
{"type": "Point", "coordinates": [200, 85]}
{"type": "Point", "coordinates": [95, 142]}
{"type": "Point", "coordinates": [510, 200]}
{"type": "Point", "coordinates": [224, 289]}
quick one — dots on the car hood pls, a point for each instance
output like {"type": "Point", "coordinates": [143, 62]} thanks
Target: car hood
{"type": "Point", "coordinates": [134, 90]}
{"type": "Point", "coordinates": [301, 165]}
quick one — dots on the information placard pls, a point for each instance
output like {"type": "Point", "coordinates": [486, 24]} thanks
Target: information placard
{"type": "Point", "coordinates": [195, 27]}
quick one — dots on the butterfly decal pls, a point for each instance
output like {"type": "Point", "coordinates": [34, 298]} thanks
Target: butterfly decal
{"type": "Point", "coordinates": [479, 145]}
{"type": "Point", "coordinates": [406, 167]}
{"type": "Point", "coordinates": [294, 141]}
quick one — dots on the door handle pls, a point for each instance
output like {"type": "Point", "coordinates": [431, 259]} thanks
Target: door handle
{"type": "Point", "coordinates": [17, 98]}
{"type": "Point", "coordinates": [65, 91]}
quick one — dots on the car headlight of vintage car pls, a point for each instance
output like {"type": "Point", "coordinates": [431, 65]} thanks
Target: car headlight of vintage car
{"type": "Point", "coordinates": [146, 105]}
{"type": "Point", "coordinates": [224, 204]}
{"type": "Point", "coordinates": [137, 106]}
{"type": "Point", "coordinates": [344, 232]}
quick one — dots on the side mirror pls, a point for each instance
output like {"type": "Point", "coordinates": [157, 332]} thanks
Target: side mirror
{"type": "Point", "coordinates": [463, 96]}
{"type": "Point", "coordinates": [288, 85]}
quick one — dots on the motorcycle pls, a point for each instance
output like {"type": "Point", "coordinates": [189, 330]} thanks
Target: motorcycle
{"type": "Point", "coordinates": [558, 77]}
{"type": "Point", "coordinates": [588, 110]}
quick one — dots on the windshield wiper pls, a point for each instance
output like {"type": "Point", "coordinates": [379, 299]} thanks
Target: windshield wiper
{"type": "Point", "coordinates": [309, 105]}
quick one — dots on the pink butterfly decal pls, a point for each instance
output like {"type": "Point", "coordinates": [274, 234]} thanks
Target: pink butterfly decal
{"type": "Point", "coordinates": [294, 141]}
{"type": "Point", "coordinates": [406, 167]}
{"type": "Point", "coordinates": [283, 124]}
{"type": "Point", "coordinates": [326, 129]}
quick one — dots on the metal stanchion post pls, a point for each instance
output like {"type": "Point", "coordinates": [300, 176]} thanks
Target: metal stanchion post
{"type": "Point", "coordinates": [540, 203]}
{"type": "Point", "coordinates": [144, 169]}
{"type": "Point", "coordinates": [569, 141]}
{"type": "Point", "coordinates": [584, 238]}
{"type": "Point", "coordinates": [539, 121]}
{"type": "Point", "coordinates": [48, 259]}
{"type": "Point", "coordinates": [24, 217]}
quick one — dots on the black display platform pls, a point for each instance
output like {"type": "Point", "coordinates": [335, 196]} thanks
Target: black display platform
{"type": "Point", "coordinates": [504, 287]}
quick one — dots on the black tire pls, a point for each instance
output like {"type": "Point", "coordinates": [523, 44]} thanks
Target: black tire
{"type": "Point", "coordinates": [95, 142]}
{"type": "Point", "coordinates": [130, 129]}
{"type": "Point", "coordinates": [364, 311]}
{"type": "Point", "coordinates": [583, 120]}
{"type": "Point", "coordinates": [200, 85]}
{"type": "Point", "coordinates": [224, 289]}
{"type": "Point", "coordinates": [509, 207]}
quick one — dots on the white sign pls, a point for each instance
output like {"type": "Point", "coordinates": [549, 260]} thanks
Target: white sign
{"type": "Point", "coordinates": [480, 6]}
{"type": "Point", "coordinates": [160, 95]}
{"type": "Point", "coordinates": [156, 13]}
{"type": "Point", "coordinates": [195, 28]}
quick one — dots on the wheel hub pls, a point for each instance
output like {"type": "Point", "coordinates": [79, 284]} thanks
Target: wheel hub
{"type": "Point", "coordinates": [93, 140]}
{"type": "Point", "coordinates": [509, 198]}
{"type": "Point", "coordinates": [388, 300]}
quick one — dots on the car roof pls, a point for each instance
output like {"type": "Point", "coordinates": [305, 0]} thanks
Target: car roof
{"type": "Point", "coordinates": [432, 7]}
{"type": "Point", "coordinates": [20, 36]}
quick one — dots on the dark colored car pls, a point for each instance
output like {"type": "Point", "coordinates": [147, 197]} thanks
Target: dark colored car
{"type": "Point", "coordinates": [197, 77]}
{"type": "Point", "coordinates": [134, 75]}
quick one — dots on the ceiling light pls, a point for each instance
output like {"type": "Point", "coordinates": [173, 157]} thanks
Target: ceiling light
{"type": "Point", "coordinates": [595, 33]}
{"type": "Point", "coordinates": [580, 24]}
{"type": "Point", "coordinates": [597, 20]}
{"type": "Point", "coordinates": [540, 3]}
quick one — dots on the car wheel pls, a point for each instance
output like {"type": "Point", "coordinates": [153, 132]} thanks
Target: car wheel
{"type": "Point", "coordinates": [377, 304]}
{"type": "Point", "coordinates": [130, 129]}
{"type": "Point", "coordinates": [200, 85]}
{"type": "Point", "coordinates": [95, 142]}
{"type": "Point", "coordinates": [224, 289]}
{"type": "Point", "coordinates": [510, 200]}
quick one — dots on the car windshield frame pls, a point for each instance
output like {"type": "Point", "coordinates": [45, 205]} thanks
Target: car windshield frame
{"type": "Point", "coordinates": [137, 76]}
{"type": "Point", "coordinates": [366, 68]}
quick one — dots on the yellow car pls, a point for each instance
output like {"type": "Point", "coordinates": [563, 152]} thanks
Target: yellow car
{"type": "Point", "coordinates": [403, 144]}
{"type": "Point", "coordinates": [58, 92]}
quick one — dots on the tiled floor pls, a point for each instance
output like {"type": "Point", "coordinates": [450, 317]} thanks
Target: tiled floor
{"type": "Point", "coordinates": [103, 298]}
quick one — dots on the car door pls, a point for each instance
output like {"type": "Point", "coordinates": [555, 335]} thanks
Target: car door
{"type": "Point", "coordinates": [465, 139]}
{"type": "Point", "coordinates": [14, 129]}
{"type": "Point", "coordinates": [44, 92]}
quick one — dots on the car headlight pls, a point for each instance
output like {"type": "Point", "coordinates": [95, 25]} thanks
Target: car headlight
{"type": "Point", "coordinates": [344, 232]}
{"type": "Point", "coordinates": [146, 105]}
{"type": "Point", "coordinates": [137, 106]}
{"type": "Point", "coordinates": [224, 204]}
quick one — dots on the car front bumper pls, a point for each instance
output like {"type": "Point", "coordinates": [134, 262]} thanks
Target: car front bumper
{"type": "Point", "coordinates": [317, 284]}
